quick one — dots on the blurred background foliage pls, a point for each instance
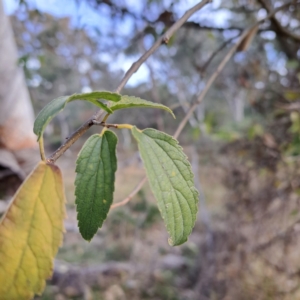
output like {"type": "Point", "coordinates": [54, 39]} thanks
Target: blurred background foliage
{"type": "Point", "coordinates": [243, 142]}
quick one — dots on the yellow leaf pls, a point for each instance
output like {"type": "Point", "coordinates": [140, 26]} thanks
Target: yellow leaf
{"type": "Point", "coordinates": [30, 233]}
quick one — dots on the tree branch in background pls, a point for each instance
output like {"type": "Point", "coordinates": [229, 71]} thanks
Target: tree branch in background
{"type": "Point", "coordinates": [131, 195]}
{"type": "Point", "coordinates": [195, 25]}
{"type": "Point", "coordinates": [135, 66]}
{"type": "Point", "coordinates": [266, 4]}
{"type": "Point", "coordinates": [163, 39]}
{"type": "Point", "coordinates": [218, 71]}
{"type": "Point", "coordinates": [203, 68]}
{"type": "Point", "coordinates": [283, 34]}
{"type": "Point", "coordinates": [222, 65]}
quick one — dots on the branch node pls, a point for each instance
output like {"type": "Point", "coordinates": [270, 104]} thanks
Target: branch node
{"type": "Point", "coordinates": [166, 40]}
{"type": "Point", "coordinates": [50, 161]}
{"type": "Point", "coordinates": [110, 125]}
{"type": "Point", "coordinates": [134, 67]}
{"type": "Point", "coordinates": [94, 122]}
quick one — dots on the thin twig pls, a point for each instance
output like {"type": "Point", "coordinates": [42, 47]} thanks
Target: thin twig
{"type": "Point", "coordinates": [213, 78]}
{"type": "Point", "coordinates": [203, 27]}
{"type": "Point", "coordinates": [102, 123]}
{"type": "Point", "coordinates": [277, 25]}
{"type": "Point", "coordinates": [107, 125]}
{"type": "Point", "coordinates": [135, 66]}
{"type": "Point", "coordinates": [71, 140]}
{"type": "Point", "coordinates": [131, 195]}
{"type": "Point", "coordinates": [219, 49]}
{"type": "Point", "coordinates": [162, 40]}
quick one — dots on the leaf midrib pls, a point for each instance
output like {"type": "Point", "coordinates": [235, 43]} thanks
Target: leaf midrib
{"type": "Point", "coordinates": [85, 167]}
{"type": "Point", "coordinates": [179, 173]}
{"type": "Point", "coordinates": [173, 190]}
{"type": "Point", "coordinates": [27, 238]}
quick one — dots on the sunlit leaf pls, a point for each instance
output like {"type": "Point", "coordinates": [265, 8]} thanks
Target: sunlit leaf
{"type": "Point", "coordinates": [171, 180]}
{"type": "Point", "coordinates": [130, 101]}
{"type": "Point", "coordinates": [30, 233]}
{"type": "Point", "coordinates": [96, 167]}
{"type": "Point", "coordinates": [58, 104]}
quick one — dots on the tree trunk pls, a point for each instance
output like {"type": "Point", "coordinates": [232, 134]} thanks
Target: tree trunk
{"type": "Point", "coordinates": [18, 146]}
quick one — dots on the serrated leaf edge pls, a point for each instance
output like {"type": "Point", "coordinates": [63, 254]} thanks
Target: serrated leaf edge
{"type": "Point", "coordinates": [194, 191]}
{"type": "Point", "coordinates": [101, 135]}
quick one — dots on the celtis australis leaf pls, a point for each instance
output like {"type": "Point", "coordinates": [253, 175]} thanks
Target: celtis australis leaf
{"type": "Point", "coordinates": [30, 234]}
{"type": "Point", "coordinates": [171, 180]}
{"type": "Point", "coordinates": [131, 101]}
{"type": "Point", "coordinates": [95, 180]}
{"type": "Point", "coordinates": [58, 104]}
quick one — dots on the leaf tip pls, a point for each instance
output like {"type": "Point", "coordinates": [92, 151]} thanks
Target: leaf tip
{"type": "Point", "coordinates": [170, 241]}
{"type": "Point", "coordinates": [173, 115]}
{"type": "Point", "coordinates": [173, 243]}
{"type": "Point", "coordinates": [85, 236]}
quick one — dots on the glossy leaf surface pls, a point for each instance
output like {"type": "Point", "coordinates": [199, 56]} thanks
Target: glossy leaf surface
{"type": "Point", "coordinates": [96, 167]}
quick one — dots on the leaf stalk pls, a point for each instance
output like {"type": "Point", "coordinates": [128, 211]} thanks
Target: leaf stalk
{"type": "Point", "coordinates": [42, 148]}
{"type": "Point", "coordinates": [118, 126]}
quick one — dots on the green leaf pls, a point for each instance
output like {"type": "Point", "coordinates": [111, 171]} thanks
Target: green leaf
{"type": "Point", "coordinates": [58, 104]}
{"type": "Point", "coordinates": [96, 167]}
{"type": "Point", "coordinates": [131, 101]}
{"type": "Point", "coordinates": [171, 180]}
{"type": "Point", "coordinates": [94, 96]}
